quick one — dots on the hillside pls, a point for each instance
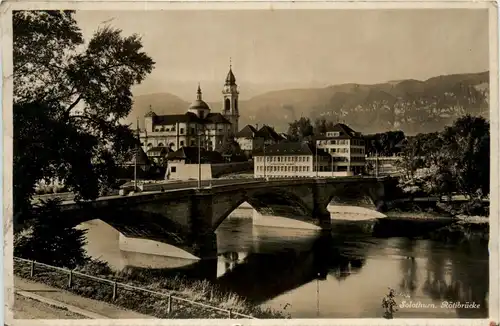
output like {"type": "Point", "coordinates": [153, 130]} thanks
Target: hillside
{"type": "Point", "coordinates": [410, 105]}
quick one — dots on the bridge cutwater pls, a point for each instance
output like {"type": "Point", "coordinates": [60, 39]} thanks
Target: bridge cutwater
{"type": "Point", "coordinates": [188, 217]}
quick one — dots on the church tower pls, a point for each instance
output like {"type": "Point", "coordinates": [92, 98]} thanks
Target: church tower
{"type": "Point", "coordinates": [230, 101]}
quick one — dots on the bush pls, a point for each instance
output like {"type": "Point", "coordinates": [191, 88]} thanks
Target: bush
{"type": "Point", "coordinates": [474, 207]}
{"type": "Point", "coordinates": [50, 238]}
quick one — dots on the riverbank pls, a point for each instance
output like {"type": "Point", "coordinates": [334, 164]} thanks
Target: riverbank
{"type": "Point", "coordinates": [146, 302]}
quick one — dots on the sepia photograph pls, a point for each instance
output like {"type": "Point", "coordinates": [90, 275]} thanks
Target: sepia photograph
{"type": "Point", "coordinates": [252, 164]}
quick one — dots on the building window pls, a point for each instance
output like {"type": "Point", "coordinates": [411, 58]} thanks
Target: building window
{"type": "Point", "coordinates": [192, 130]}
{"type": "Point", "coordinates": [173, 169]}
{"type": "Point", "coordinates": [181, 131]}
{"type": "Point", "coordinates": [193, 143]}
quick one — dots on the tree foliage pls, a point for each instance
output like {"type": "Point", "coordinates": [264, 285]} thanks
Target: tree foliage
{"type": "Point", "coordinates": [321, 125]}
{"type": "Point", "coordinates": [385, 144]}
{"type": "Point", "coordinates": [51, 239]}
{"type": "Point", "coordinates": [232, 149]}
{"type": "Point", "coordinates": [300, 129]}
{"type": "Point", "coordinates": [457, 159]}
{"type": "Point", "coordinates": [69, 99]}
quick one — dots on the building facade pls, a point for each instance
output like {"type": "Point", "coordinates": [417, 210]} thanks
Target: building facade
{"type": "Point", "coordinates": [290, 159]}
{"type": "Point", "coordinates": [198, 124]}
{"type": "Point", "coordinates": [188, 163]}
{"type": "Point", "coordinates": [346, 147]}
{"type": "Point", "coordinates": [250, 139]}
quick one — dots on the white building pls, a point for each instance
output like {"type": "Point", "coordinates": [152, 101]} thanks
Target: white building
{"type": "Point", "coordinates": [186, 163]}
{"type": "Point", "coordinates": [346, 147]}
{"type": "Point", "coordinates": [197, 124]}
{"type": "Point", "coordinates": [290, 159]}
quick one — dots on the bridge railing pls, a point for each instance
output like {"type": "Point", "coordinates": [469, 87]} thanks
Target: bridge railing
{"type": "Point", "coordinates": [71, 276]}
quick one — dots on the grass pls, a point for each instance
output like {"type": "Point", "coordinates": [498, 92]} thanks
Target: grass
{"type": "Point", "coordinates": [146, 303]}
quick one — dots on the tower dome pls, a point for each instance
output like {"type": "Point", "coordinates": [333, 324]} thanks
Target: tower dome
{"type": "Point", "coordinates": [150, 113]}
{"type": "Point", "coordinates": [199, 107]}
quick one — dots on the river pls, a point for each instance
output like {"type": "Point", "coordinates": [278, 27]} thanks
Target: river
{"type": "Point", "coordinates": [310, 274]}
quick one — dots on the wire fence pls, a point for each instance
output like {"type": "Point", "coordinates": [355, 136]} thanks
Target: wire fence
{"type": "Point", "coordinates": [72, 276]}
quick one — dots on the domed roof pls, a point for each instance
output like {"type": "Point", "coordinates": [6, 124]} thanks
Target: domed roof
{"type": "Point", "coordinates": [150, 113]}
{"type": "Point", "coordinates": [199, 104]}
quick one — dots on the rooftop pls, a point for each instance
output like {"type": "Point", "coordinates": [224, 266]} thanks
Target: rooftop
{"type": "Point", "coordinates": [345, 132]}
{"type": "Point", "coordinates": [188, 117]}
{"type": "Point", "coordinates": [142, 158]}
{"type": "Point", "coordinates": [248, 132]}
{"type": "Point", "coordinates": [291, 148]}
{"type": "Point", "coordinates": [190, 155]}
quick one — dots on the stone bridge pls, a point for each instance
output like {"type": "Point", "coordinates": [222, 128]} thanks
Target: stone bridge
{"type": "Point", "coordinates": [187, 218]}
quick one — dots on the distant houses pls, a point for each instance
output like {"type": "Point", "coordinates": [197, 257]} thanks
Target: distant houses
{"type": "Point", "coordinates": [346, 146]}
{"type": "Point", "coordinates": [250, 138]}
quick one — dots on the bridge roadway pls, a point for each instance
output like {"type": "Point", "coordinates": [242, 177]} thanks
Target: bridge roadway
{"type": "Point", "coordinates": [184, 185]}
{"type": "Point", "coordinates": [185, 216]}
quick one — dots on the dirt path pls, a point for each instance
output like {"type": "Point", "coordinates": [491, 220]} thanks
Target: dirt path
{"type": "Point", "coordinates": [25, 308]}
{"type": "Point", "coordinates": [54, 294]}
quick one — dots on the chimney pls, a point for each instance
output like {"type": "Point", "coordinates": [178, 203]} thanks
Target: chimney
{"type": "Point", "coordinates": [257, 126]}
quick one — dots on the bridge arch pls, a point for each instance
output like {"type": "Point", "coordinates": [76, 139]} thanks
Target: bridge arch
{"type": "Point", "coordinates": [268, 201]}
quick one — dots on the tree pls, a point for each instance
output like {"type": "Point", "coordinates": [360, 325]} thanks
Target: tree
{"type": "Point", "coordinates": [384, 143]}
{"type": "Point", "coordinates": [321, 125]}
{"type": "Point", "coordinates": [51, 239]}
{"type": "Point", "coordinates": [467, 152]}
{"type": "Point", "coordinates": [411, 160]}
{"type": "Point", "coordinates": [299, 129]}
{"type": "Point", "coordinates": [69, 100]}
{"type": "Point", "coordinates": [232, 149]}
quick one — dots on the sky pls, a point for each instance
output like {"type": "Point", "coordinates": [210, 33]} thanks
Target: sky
{"type": "Point", "coordinates": [277, 49]}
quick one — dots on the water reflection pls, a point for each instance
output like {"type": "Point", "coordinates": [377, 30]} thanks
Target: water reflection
{"type": "Point", "coordinates": [454, 281]}
{"type": "Point", "coordinates": [335, 275]}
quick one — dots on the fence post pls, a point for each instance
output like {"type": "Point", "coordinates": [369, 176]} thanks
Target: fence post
{"type": "Point", "coordinates": [70, 279]}
{"type": "Point", "coordinates": [114, 290]}
{"type": "Point", "coordinates": [32, 268]}
{"type": "Point", "coordinates": [229, 314]}
{"type": "Point", "coordinates": [169, 304]}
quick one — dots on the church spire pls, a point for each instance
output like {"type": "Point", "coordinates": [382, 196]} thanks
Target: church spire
{"type": "Point", "coordinates": [198, 93]}
{"type": "Point", "coordinates": [230, 79]}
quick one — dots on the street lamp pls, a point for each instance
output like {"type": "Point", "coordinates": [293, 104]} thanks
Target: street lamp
{"type": "Point", "coordinates": [331, 158]}
{"type": "Point", "coordinates": [135, 157]}
{"type": "Point", "coordinates": [199, 158]}
{"type": "Point", "coordinates": [317, 295]}
{"type": "Point", "coordinates": [376, 158]}
{"type": "Point", "coordinates": [264, 147]}
{"type": "Point", "coordinates": [316, 156]}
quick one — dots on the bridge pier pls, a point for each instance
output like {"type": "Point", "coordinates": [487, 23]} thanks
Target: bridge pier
{"type": "Point", "coordinates": [202, 237]}
{"type": "Point", "coordinates": [321, 199]}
